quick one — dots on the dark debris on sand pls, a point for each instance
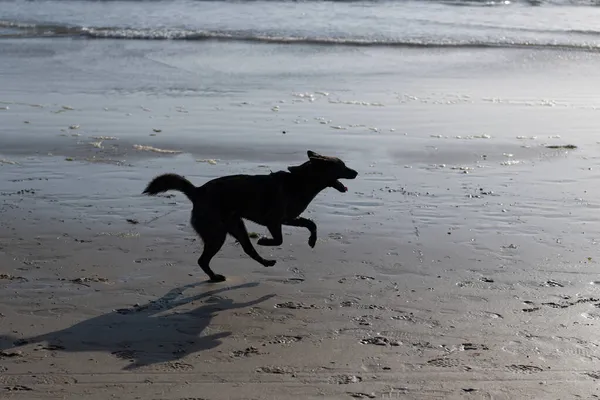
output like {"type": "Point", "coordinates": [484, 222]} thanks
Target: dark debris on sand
{"type": "Point", "coordinates": [561, 146]}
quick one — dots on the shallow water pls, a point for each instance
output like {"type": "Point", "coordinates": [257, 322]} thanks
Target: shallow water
{"type": "Point", "coordinates": [558, 24]}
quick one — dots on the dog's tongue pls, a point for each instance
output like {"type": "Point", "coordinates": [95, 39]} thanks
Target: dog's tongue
{"type": "Point", "coordinates": [339, 187]}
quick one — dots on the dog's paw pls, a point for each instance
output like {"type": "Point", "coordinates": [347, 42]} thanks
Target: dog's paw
{"type": "Point", "coordinates": [217, 278]}
{"type": "Point", "coordinates": [312, 241]}
{"type": "Point", "coordinates": [269, 263]}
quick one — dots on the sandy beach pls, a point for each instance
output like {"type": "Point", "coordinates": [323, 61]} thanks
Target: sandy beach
{"type": "Point", "coordinates": [461, 264]}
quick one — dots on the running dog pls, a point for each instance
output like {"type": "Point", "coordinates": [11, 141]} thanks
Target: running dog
{"type": "Point", "coordinates": [221, 205]}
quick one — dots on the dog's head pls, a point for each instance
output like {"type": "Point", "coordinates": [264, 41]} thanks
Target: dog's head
{"type": "Point", "coordinates": [326, 169]}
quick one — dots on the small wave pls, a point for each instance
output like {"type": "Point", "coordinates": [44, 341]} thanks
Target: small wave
{"type": "Point", "coordinates": [24, 30]}
{"type": "Point", "coordinates": [584, 32]}
{"type": "Point", "coordinates": [473, 3]}
{"type": "Point", "coordinates": [460, 3]}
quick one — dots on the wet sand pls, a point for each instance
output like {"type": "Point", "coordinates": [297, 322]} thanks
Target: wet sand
{"type": "Point", "coordinates": [455, 267]}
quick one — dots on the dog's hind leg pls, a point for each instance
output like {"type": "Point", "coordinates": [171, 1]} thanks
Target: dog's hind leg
{"type": "Point", "coordinates": [213, 236]}
{"type": "Point", "coordinates": [211, 248]}
{"type": "Point", "coordinates": [308, 224]}
{"type": "Point", "coordinates": [237, 229]}
{"type": "Point", "coordinates": [277, 239]}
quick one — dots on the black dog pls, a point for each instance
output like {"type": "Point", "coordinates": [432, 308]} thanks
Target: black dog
{"type": "Point", "coordinates": [273, 200]}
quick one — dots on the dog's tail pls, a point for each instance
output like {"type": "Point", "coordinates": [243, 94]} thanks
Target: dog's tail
{"type": "Point", "coordinates": [165, 182]}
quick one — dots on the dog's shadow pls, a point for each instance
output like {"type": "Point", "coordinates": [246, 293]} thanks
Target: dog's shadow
{"type": "Point", "coordinates": [146, 334]}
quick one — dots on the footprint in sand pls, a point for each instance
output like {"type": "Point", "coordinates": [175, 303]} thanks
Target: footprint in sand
{"type": "Point", "coordinates": [361, 395]}
{"type": "Point", "coordinates": [247, 352]}
{"type": "Point", "coordinates": [174, 366]}
{"type": "Point", "coordinates": [365, 320]}
{"type": "Point", "coordinates": [10, 277]}
{"type": "Point", "coordinates": [591, 315]}
{"type": "Point", "coordinates": [524, 369]}
{"type": "Point", "coordinates": [275, 370]}
{"type": "Point", "coordinates": [192, 398]}
{"type": "Point", "coordinates": [555, 305]}
{"type": "Point", "coordinates": [413, 319]}
{"type": "Point", "coordinates": [593, 374]}
{"type": "Point", "coordinates": [486, 314]}
{"type": "Point", "coordinates": [294, 305]}
{"type": "Point", "coordinates": [473, 346]}
{"type": "Point", "coordinates": [11, 354]}
{"type": "Point", "coordinates": [380, 341]}
{"type": "Point", "coordinates": [552, 283]}
{"type": "Point", "coordinates": [358, 278]}
{"type": "Point", "coordinates": [293, 280]}
{"type": "Point", "coordinates": [345, 379]}
{"type": "Point", "coordinates": [285, 339]}
{"type": "Point", "coordinates": [18, 388]}
{"type": "Point", "coordinates": [125, 354]}
{"type": "Point", "coordinates": [444, 362]}
{"type": "Point", "coordinates": [571, 303]}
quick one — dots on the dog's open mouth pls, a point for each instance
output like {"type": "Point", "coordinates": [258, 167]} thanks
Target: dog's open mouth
{"type": "Point", "coordinates": [339, 186]}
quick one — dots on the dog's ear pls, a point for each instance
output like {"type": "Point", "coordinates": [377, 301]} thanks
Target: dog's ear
{"type": "Point", "coordinates": [311, 155]}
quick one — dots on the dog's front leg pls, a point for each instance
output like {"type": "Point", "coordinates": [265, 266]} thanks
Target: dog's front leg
{"type": "Point", "coordinates": [308, 224]}
{"type": "Point", "coordinates": [277, 239]}
{"type": "Point", "coordinates": [237, 229]}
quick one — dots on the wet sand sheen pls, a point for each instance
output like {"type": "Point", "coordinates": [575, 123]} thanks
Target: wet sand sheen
{"type": "Point", "coordinates": [446, 271]}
